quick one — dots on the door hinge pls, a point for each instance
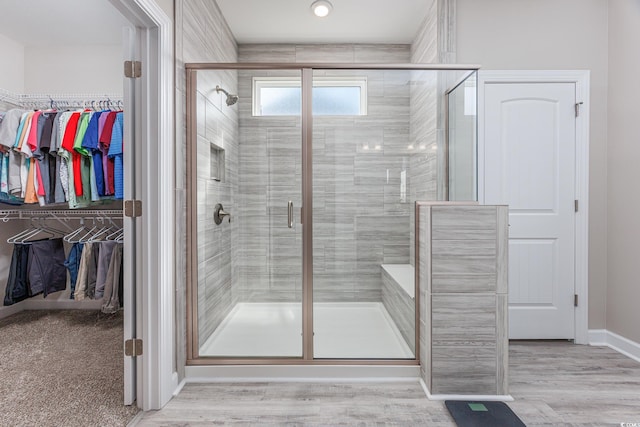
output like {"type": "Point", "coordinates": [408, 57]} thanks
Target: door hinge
{"type": "Point", "coordinates": [133, 347]}
{"type": "Point", "coordinates": [575, 205]}
{"type": "Point", "coordinates": [575, 300]}
{"type": "Point", "coordinates": [578, 104]}
{"type": "Point", "coordinates": [132, 69]}
{"type": "Point", "coordinates": [132, 208]}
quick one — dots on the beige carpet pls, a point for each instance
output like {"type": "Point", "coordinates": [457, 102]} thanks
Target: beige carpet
{"type": "Point", "coordinates": [62, 368]}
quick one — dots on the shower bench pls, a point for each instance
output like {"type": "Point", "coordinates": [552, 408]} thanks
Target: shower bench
{"type": "Point", "coordinates": [398, 297]}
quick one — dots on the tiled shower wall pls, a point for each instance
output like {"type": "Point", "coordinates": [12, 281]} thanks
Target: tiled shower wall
{"type": "Point", "coordinates": [201, 35]}
{"type": "Point", "coordinates": [360, 220]}
{"type": "Point", "coordinates": [424, 110]}
{"type": "Point", "coordinates": [217, 182]}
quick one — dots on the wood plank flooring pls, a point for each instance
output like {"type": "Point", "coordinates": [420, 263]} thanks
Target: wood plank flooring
{"type": "Point", "coordinates": [553, 383]}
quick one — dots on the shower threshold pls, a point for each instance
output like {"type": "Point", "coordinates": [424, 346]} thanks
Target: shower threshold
{"type": "Point", "coordinates": [341, 331]}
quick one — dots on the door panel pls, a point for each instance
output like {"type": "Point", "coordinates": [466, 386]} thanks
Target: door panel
{"type": "Point", "coordinates": [530, 165]}
{"type": "Point", "coordinates": [130, 274]}
{"type": "Point", "coordinates": [249, 265]}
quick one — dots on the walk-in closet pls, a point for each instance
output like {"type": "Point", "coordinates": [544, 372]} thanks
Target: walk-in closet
{"type": "Point", "coordinates": [64, 264]}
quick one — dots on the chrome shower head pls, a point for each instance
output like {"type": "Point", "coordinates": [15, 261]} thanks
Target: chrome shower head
{"type": "Point", "coordinates": [231, 99]}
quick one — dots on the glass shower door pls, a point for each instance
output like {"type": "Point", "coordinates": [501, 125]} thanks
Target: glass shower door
{"type": "Point", "coordinates": [362, 214]}
{"type": "Point", "coordinates": [249, 236]}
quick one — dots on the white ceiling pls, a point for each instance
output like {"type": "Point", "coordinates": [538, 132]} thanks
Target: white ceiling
{"type": "Point", "coordinates": [67, 22]}
{"type": "Point", "coordinates": [351, 21]}
{"type": "Point", "coordinates": [85, 22]}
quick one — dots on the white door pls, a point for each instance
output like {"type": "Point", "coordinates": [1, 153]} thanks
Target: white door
{"type": "Point", "coordinates": [130, 274]}
{"type": "Point", "coordinates": [529, 164]}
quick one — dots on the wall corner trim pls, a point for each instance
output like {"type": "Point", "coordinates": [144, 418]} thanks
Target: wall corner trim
{"type": "Point", "coordinates": [625, 346]}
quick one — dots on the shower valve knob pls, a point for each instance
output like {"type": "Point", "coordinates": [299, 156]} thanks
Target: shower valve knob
{"type": "Point", "coordinates": [219, 214]}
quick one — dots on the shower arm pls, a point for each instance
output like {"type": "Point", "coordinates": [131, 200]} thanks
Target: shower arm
{"type": "Point", "coordinates": [219, 89]}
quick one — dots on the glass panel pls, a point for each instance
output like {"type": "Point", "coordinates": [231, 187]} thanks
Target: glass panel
{"type": "Point", "coordinates": [367, 173]}
{"type": "Point", "coordinates": [249, 269]}
{"type": "Point", "coordinates": [462, 141]}
{"type": "Point", "coordinates": [280, 101]}
{"type": "Point", "coordinates": [336, 101]}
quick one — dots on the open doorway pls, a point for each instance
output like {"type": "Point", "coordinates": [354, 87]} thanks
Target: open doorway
{"type": "Point", "coordinates": [147, 37]}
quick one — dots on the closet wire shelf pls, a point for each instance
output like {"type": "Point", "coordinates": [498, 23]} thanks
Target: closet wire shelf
{"type": "Point", "coordinates": [62, 101]}
{"type": "Point", "coordinates": [17, 214]}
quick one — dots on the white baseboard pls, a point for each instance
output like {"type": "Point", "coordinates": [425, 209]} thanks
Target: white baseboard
{"type": "Point", "coordinates": [49, 304]}
{"type": "Point", "coordinates": [59, 304]}
{"type": "Point", "coordinates": [179, 387]}
{"type": "Point", "coordinates": [10, 310]}
{"type": "Point", "coordinates": [603, 337]}
{"type": "Point", "coordinates": [475, 397]}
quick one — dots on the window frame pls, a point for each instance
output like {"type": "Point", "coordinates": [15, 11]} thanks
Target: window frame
{"type": "Point", "coordinates": [261, 82]}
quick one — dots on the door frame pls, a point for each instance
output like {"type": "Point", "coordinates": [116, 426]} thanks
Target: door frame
{"type": "Point", "coordinates": [153, 108]}
{"type": "Point", "coordinates": [581, 78]}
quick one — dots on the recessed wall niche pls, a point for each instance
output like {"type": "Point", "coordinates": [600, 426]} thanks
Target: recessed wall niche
{"type": "Point", "coordinates": [216, 163]}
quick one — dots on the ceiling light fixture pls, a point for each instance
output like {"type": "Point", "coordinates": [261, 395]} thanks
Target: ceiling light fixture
{"type": "Point", "coordinates": [321, 8]}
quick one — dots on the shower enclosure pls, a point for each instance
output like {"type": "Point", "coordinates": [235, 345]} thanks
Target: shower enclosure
{"type": "Point", "coordinates": [303, 180]}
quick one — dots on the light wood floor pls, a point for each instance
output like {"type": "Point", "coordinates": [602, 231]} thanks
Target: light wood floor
{"type": "Point", "coordinates": [553, 383]}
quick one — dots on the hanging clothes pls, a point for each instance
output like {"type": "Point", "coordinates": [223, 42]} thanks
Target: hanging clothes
{"type": "Point", "coordinates": [46, 269]}
{"type": "Point", "coordinates": [108, 164]}
{"type": "Point", "coordinates": [67, 121]}
{"type": "Point", "coordinates": [8, 130]}
{"type": "Point", "coordinates": [106, 125]}
{"type": "Point", "coordinates": [51, 157]}
{"type": "Point", "coordinates": [73, 264]}
{"type": "Point", "coordinates": [83, 280]}
{"type": "Point", "coordinates": [46, 158]}
{"type": "Point", "coordinates": [18, 282]}
{"type": "Point", "coordinates": [116, 150]}
{"type": "Point", "coordinates": [111, 302]}
{"type": "Point", "coordinates": [82, 164]}
{"type": "Point", "coordinates": [104, 260]}
{"type": "Point", "coordinates": [6, 195]}
{"type": "Point", "coordinates": [90, 144]}
{"type": "Point", "coordinates": [9, 127]}
{"type": "Point", "coordinates": [58, 189]}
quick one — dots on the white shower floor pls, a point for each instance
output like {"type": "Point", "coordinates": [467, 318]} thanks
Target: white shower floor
{"type": "Point", "coordinates": [341, 330]}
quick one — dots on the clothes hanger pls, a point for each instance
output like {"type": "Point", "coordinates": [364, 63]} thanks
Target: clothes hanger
{"type": "Point", "coordinates": [17, 237]}
{"type": "Point", "coordinates": [38, 229]}
{"type": "Point", "coordinates": [45, 226]}
{"type": "Point", "coordinates": [24, 233]}
{"type": "Point", "coordinates": [98, 235]}
{"type": "Point", "coordinates": [70, 237]}
{"type": "Point", "coordinates": [115, 235]}
{"type": "Point", "coordinates": [85, 238]}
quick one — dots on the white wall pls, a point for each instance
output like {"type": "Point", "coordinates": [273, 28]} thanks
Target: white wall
{"type": "Point", "coordinates": [11, 65]}
{"type": "Point", "coordinates": [552, 34]}
{"type": "Point", "coordinates": [74, 69]}
{"type": "Point", "coordinates": [623, 292]}
{"type": "Point", "coordinates": [167, 7]}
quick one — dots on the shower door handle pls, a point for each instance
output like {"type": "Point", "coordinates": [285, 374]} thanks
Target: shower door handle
{"type": "Point", "coordinates": [290, 214]}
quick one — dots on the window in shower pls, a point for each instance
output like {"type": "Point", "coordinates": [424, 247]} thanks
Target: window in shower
{"type": "Point", "coordinates": [274, 96]}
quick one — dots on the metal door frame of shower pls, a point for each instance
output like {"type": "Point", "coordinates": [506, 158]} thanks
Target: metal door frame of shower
{"type": "Point", "coordinates": [306, 70]}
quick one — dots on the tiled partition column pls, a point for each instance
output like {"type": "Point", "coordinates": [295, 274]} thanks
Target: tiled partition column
{"type": "Point", "coordinates": [463, 289]}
